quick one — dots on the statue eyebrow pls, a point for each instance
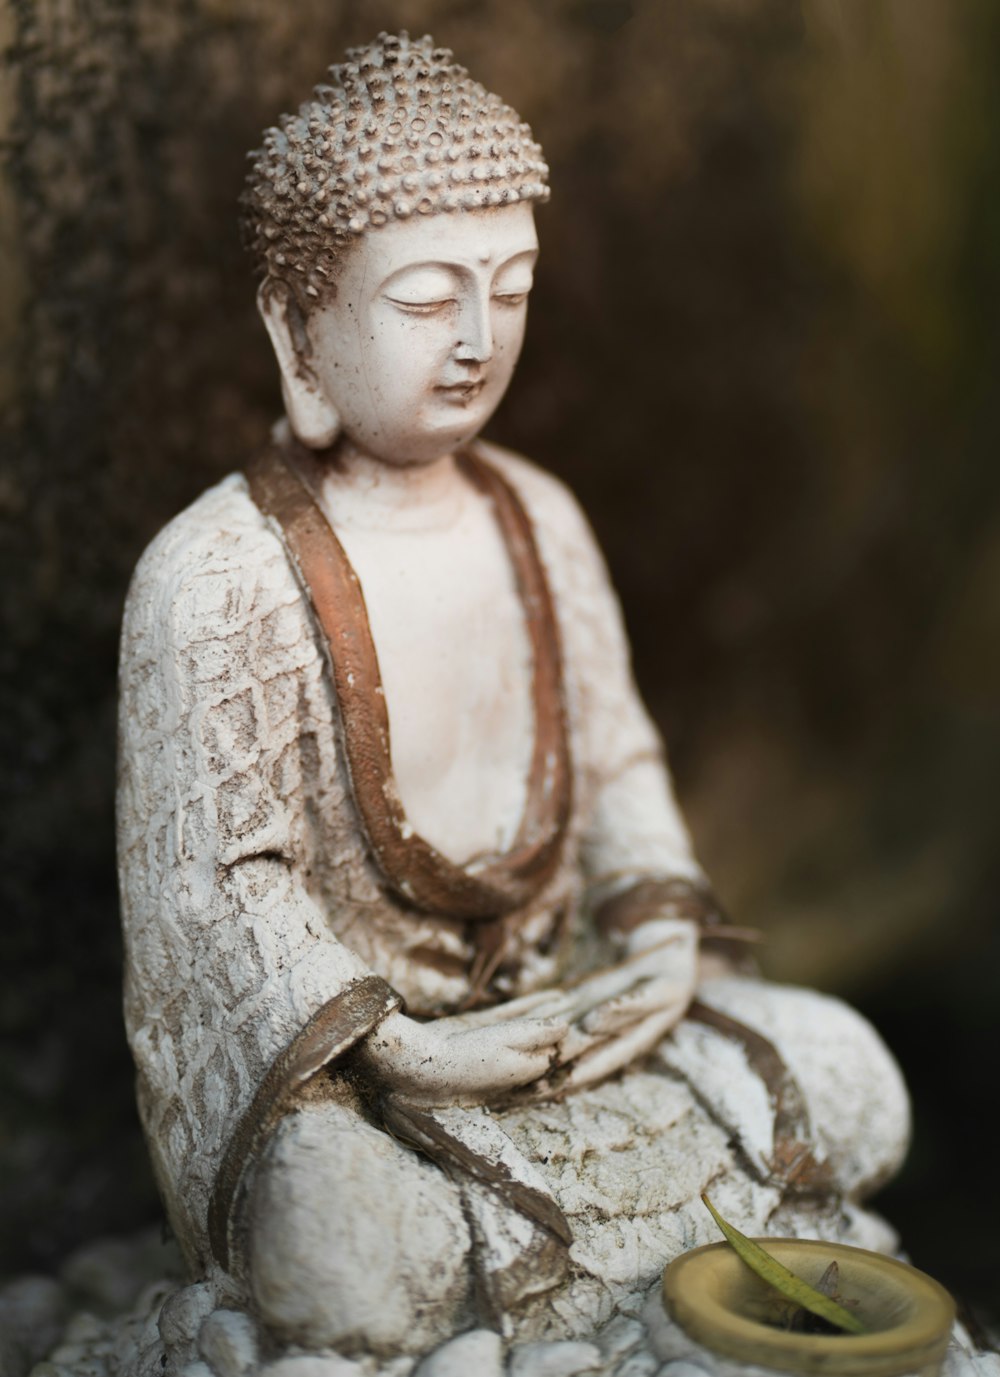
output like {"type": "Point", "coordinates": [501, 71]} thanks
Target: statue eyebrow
{"type": "Point", "coordinates": [410, 269]}
{"type": "Point", "coordinates": [531, 253]}
{"type": "Point", "coordinates": [451, 266]}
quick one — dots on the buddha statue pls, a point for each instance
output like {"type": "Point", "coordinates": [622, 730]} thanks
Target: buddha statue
{"type": "Point", "coordinates": [436, 1020]}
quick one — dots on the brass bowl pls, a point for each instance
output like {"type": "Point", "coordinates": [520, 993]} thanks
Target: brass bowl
{"type": "Point", "coordinates": [720, 1303]}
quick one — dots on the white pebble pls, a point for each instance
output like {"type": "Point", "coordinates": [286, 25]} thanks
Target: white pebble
{"type": "Point", "coordinates": [620, 1337]}
{"type": "Point", "coordinates": [228, 1343]}
{"type": "Point", "coordinates": [555, 1359]}
{"type": "Point", "coordinates": [642, 1364]}
{"type": "Point", "coordinates": [307, 1365]}
{"type": "Point", "coordinates": [479, 1352]}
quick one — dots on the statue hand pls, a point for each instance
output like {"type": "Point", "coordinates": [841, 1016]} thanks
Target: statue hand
{"type": "Point", "coordinates": [659, 956]}
{"type": "Point", "coordinates": [661, 968]}
{"type": "Point", "coordinates": [622, 1013]}
{"type": "Point", "coordinates": [547, 1041]}
{"type": "Point", "coordinates": [448, 1062]}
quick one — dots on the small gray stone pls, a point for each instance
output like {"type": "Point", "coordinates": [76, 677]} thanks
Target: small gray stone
{"type": "Point", "coordinates": [67, 1355]}
{"type": "Point", "coordinates": [228, 1343]}
{"type": "Point", "coordinates": [683, 1368]}
{"type": "Point", "coordinates": [182, 1313]}
{"type": "Point", "coordinates": [109, 1273]}
{"type": "Point", "coordinates": [32, 1316]}
{"type": "Point", "coordinates": [83, 1328]}
{"type": "Point", "coordinates": [563, 1359]}
{"type": "Point", "coordinates": [480, 1351]}
{"type": "Point", "coordinates": [90, 1366]}
{"type": "Point", "coordinates": [197, 1370]}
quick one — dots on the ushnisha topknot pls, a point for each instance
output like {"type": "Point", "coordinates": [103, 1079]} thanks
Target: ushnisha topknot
{"type": "Point", "coordinates": [400, 129]}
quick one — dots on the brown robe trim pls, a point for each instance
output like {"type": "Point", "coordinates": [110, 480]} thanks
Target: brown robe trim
{"type": "Point", "coordinates": [334, 1028]}
{"type": "Point", "coordinates": [420, 1129]}
{"type": "Point", "coordinates": [792, 1163]}
{"type": "Point", "coordinates": [678, 897]}
{"type": "Point", "coordinates": [658, 898]}
{"type": "Point", "coordinates": [282, 483]}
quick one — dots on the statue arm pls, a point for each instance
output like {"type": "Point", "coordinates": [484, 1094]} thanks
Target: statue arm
{"type": "Point", "coordinates": [228, 956]}
{"type": "Point", "coordinates": [634, 833]}
{"type": "Point", "coordinates": [642, 873]}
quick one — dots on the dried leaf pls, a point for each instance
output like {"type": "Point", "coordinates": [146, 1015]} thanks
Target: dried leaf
{"type": "Point", "coordinates": [829, 1282]}
{"type": "Point", "coordinates": [783, 1281]}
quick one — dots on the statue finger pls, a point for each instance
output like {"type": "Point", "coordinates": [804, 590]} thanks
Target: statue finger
{"type": "Point", "coordinates": [540, 1002]}
{"type": "Point", "coordinates": [526, 1034]}
{"type": "Point", "coordinates": [649, 997]}
{"type": "Point", "coordinates": [612, 1055]}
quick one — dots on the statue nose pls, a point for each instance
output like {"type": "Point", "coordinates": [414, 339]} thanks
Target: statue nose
{"type": "Point", "coordinates": [475, 337]}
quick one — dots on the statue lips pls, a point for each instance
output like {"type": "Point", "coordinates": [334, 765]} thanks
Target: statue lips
{"type": "Point", "coordinates": [462, 392]}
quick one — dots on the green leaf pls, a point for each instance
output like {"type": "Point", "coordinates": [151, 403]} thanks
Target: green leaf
{"type": "Point", "coordinates": [783, 1281]}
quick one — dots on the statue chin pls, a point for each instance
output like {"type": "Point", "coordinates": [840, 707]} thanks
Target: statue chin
{"type": "Point", "coordinates": [440, 1030]}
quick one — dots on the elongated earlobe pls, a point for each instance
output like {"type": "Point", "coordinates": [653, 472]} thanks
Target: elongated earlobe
{"type": "Point", "coordinates": [312, 417]}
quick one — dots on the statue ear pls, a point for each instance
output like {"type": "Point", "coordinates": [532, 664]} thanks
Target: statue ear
{"type": "Point", "coordinates": [311, 414]}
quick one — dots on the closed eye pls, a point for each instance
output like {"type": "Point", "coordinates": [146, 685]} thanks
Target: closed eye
{"type": "Point", "coordinates": [422, 308]}
{"type": "Point", "coordinates": [510, 298]}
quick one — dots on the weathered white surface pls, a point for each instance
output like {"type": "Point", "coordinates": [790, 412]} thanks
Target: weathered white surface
{"type": "Point", "coordinates": [350, 1227]}
{"type": "Point", "coordinates": [835, 1056]}
{"type": "Point", "coordinates": [837, 1059]}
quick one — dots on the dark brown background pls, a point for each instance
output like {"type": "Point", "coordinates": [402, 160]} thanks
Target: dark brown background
{"type": "Point", "coordinates": [761, 351]}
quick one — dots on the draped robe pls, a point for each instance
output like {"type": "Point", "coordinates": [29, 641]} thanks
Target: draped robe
{"type": "Point", "coordinates": [264, 938]}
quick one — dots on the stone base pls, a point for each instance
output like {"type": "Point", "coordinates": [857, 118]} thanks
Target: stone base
{"type": "Point", "coordinates": [638, 1341]}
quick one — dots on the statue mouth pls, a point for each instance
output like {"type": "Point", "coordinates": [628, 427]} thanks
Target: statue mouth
{"type": "Point", "coordinates": [462, 392]}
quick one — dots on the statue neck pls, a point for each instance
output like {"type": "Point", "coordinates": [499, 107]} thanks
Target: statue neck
{"type": "Point", "coordinates": [363, 493]}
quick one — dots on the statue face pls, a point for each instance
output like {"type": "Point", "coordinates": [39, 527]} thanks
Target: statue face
{"type": "Point", "coordinates": [416, 350]}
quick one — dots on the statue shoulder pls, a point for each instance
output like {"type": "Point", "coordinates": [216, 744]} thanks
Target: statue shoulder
{"type": "Point", "coordinates": [558, 518]}
{"type": "Point", "coordinates": [552, 506]}
{"type": "Point", "coordinates": [211, 560]}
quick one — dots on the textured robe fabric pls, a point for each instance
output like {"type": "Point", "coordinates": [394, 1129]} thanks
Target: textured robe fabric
{"type": "Point", "coordinates": [250, 898]}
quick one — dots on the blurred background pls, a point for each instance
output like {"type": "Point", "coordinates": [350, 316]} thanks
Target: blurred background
{"type": "Point", "coordinates": [763, 349]}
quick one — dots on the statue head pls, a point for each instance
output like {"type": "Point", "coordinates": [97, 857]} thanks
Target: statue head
{"type": "Point", "coordinates": [391, 226]}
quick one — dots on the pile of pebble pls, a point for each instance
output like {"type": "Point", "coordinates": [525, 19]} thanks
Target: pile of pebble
{"type": "Point", "coordinates": [118, 1309]}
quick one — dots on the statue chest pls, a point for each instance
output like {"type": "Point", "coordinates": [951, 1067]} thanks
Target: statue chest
{"type": "Point", "coordinates": [454, 655]}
